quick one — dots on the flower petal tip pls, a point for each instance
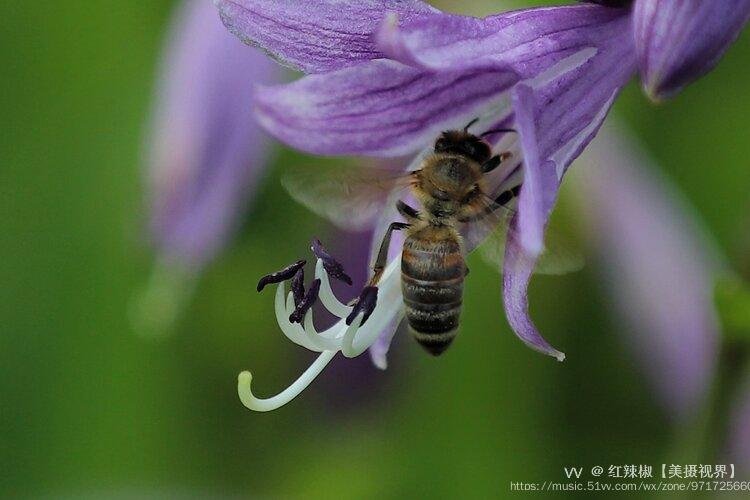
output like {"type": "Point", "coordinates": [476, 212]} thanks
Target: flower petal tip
{"type": "Point", "coordinates": [679, 42]}
{"type": "Point", "coordinates": [655, 94]}
{"type": "Point", "coordinates": [532, 244]}
{"type": "Point", "coordinates": [380, 362]}
{"type": "Point", "coordinates": [387, 35]}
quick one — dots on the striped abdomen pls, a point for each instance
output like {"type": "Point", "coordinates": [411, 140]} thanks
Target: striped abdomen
{"type": "Point", "coordinates": [432, 282]}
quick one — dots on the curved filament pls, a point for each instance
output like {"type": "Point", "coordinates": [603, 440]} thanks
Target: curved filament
{"type": "Point", "coordinates": [244, 386]}
{"type": "Point", "coordinates": [326, 295]}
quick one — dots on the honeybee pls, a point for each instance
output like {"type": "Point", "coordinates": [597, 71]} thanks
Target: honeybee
{"type": "Point", "coordinates": [456, 210]}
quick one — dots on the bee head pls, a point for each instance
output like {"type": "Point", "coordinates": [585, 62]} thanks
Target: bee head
{"type": "Point", "coordinates": [464, 144]}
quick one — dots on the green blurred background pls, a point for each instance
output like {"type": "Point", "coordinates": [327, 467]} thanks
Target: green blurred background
{"type": "Point", "coordinates": [91, 409]}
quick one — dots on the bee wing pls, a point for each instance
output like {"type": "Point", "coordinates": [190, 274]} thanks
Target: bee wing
{"type": "Point", "coordinates": [492, 223]}
{"type": "Point", "coordinates": [558, 256]}
{"type": "Point", "coordinates": [349, 197]}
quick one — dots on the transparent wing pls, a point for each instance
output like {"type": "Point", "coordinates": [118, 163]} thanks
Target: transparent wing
{"type": "Point", "coordinates": [349, 197]}
{"type": "Point", "coordinates": [492, 219]}
{"type": "Point", "coordinates": [559, 256]}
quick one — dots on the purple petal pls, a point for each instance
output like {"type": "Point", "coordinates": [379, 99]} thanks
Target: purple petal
{"type": "Point", "coordinates": [206, 149]}
{"type": "Point", "coordinates": [567, 112]}
{"type": "Point", "coordinates": [315, 35]}
{"type": "Point", "coordinates": [379, 350]}
{"type": "Point", "coordinates": [572, 107]}
{"type": "Point", "coordinates": [517, 269]}
{"type": "Point", "coordinates": [679, 41]}
{"type": "Point", "coordinates": [660, 266]}
{"type": "Point", "coordinates": [379, 108]}
{"type": "Point", "coordinates": [610, 3]}
{"type": "Point", "coordinates": [526, 41]}
{"type": "Point", "coordinates": [386, 108]}
{"type": "Point", "coordinates": [540, 183]}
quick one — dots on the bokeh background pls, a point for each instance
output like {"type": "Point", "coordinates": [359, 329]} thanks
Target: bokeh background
{"type": "Point", "coordinates": [90, 408]}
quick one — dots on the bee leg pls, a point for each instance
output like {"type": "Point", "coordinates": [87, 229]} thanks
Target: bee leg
{"type": "Point", "coordinates": [495, 161]}
{"type": "Point", "coordinates": [382, 257]}
{"type": "Point", "coordinates": [507, 195]}
{"type": "Point", "coordinates": [406, 211]}
{"type": "Point", "coordinates": [491, 164]}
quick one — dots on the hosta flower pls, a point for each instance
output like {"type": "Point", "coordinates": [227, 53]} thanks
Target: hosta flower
{"type": "Point", "coordinates": [658, 265]}
{"type": "Point", "coordinates": [678, 41]}
{"type": "Point", "coordinates": [387, 76]}
{"type": "Point", "coordinates": [206, 151]}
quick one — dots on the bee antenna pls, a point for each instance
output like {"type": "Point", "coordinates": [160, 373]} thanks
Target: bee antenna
{"type": "Point", "coordinates": [497, 131]}
{"type": "Point", "coordinates": [472, 122]}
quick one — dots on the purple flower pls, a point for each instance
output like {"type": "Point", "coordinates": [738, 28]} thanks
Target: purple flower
{"type": "Point", "coordinates": [316, 36]}
{"type": "Point", "coordinates": [659, 265]}
{"type": "Point", "coordinates": [206, 149]}
{"type": "Point", "coordinates": [390, 75]}
{"type": "Point", "coordinates": [678, 41]}
{"type": "Point", "coordinates": [443, 71]}
{"type": "Point", "coordinates": [206, 153]}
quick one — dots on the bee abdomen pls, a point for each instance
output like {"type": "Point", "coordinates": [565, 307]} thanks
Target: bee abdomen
{"type": "Point", "coordinates": [432, 284]}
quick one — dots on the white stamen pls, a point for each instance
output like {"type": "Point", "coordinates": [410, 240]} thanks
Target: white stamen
{"type": "Point", "coordinates": [389, 303]}
{"type": "Point", "coordinates": [244, 383]}
{"type": "Point", "coordinates": [293, 331]}
{"type": "Point", "coordinates": [327, 296]}
{"type": "Point", "coordinates": [352, 340]}
{"type": "Point", "coordinates": [322, 343]}
{"type": "Point", "coordinates": [334, 332]}
{"type": "Point", "coordinates": [347, 345]}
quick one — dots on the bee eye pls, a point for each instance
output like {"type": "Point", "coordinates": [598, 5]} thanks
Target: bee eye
{"type": "Point", "coordinates": [441, 145]}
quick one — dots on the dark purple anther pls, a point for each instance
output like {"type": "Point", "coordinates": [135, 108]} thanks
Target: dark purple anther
{"type": "Point", "coordinates": [366, 303]}
{"type": "Point", "coordinates": [279, 276]}
{"type": "Point", "coordinates": [331, 265]}
{"type": "Point", "coordinates": [298, 287]}
{"type": "Point", "coordinates": [306, 303]}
